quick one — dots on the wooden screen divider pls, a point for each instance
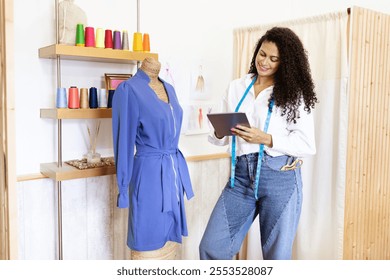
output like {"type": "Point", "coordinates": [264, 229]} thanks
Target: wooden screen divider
{"type": "Point", "coordinates": [367, 201]}
{"type": "Point", "coordinates": [3, 200]}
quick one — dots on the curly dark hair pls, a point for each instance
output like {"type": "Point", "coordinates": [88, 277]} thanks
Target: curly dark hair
{"type": "Point", "coordinates": [293, 81]}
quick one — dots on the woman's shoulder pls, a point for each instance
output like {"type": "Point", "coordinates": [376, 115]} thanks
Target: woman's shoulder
{"type": "Point", "coordinates": [241, 82]}
{"type": "Point", "coordinates": [243, 79]}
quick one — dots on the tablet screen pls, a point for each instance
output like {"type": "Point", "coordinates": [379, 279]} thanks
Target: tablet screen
{"type": "Point", "coordinates": [223, 122]}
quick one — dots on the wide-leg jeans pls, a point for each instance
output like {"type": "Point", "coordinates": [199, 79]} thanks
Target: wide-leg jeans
{"type": "Point", "coordinates": [279, 207]}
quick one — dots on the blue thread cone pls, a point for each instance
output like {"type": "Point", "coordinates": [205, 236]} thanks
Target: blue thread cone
{"type": "Point", "coordinates": [110, 96]}
{"type": "Point", "coordinates": [93, 100]}
{"type": "Point", "coordinates": [61, 100]}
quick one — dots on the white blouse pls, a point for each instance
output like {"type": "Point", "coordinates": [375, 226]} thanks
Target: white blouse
{"type": "Point", "coordinates": [288, 138]}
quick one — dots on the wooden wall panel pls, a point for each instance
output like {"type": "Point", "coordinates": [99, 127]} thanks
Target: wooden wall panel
{"type": "Point", "coordinates": [8, 210]}
{"type": "Point", "coordinates": [3, 200]}
{"type": "Point", "coordinates": [367, 211]}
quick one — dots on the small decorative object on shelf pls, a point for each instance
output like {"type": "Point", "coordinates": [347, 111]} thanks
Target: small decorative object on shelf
{"type": "Point", "coordinates": [84, 164]}
{"type": "Point", "coordinates": [70, 16]}
{"type": "Point", "coordinates": [92, 156]}
{"type": "Point", "coordinates": [113, 80]}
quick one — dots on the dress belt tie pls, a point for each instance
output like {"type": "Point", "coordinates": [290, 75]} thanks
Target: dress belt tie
{"type": "Point", "coordinates": [168, 173]}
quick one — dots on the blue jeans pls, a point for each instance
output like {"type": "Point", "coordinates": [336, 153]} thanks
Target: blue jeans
{"type": "Point", "coordinates": [279, 207]}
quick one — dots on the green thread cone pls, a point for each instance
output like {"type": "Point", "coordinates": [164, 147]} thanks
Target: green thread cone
{"type": "Point", "coordinates": [80, 39]}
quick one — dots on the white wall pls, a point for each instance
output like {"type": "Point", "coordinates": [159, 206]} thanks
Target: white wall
{"type": "Point", "coordinates": [183, 33]}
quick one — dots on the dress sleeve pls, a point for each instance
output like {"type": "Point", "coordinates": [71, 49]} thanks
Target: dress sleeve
{"type": "Point", "coordinates": [125, 114]}
{"type": "Point", "coordinates": [300, 139]}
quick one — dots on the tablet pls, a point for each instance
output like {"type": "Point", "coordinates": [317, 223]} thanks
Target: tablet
{"type": "Point", "coordinates": [223, 122]}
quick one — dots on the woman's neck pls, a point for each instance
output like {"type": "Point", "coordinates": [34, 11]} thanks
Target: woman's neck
{"type": "Point", "coordinates": [151, 67]}
{"type": "Point", "coordinates": [264, 81]}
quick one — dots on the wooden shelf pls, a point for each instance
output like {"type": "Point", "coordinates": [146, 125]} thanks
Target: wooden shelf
{"type": "Point", "coordinates": [76, 113]}
{"type": "Point", "coordinates": [93, 54]}
{"type": "Point", "coordinates": [67, 172]}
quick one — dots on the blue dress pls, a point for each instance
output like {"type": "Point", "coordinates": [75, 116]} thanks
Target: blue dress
{"type": "Point", "coordinates": [152, 174]}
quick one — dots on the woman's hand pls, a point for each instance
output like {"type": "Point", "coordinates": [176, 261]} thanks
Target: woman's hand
{"type": "Point", "coordinates": [252, 135]}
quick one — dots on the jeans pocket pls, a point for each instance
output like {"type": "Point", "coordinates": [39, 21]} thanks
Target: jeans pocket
{"type": "Point", "coordinates": [277, 163]}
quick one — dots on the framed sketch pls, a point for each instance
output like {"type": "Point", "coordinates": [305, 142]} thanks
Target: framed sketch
{"type": "Point", "coordinates": [195, 119]}
{"type": "Point", "coordinates": [200, 84]}
{"type": "Point", "coordinates": [113, 80]}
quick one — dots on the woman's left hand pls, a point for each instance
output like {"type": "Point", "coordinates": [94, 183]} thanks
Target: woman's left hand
{"type": "Point", "coordinates": [252, 135]}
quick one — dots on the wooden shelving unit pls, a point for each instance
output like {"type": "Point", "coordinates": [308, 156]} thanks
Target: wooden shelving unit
{"type": "Point", "coordinates": [76, 113]}
{"type": "Point", "coordinates": [60, 171]}
{"type": "Point", "coordinates": [68, 172]}
{"type": "Point", "coordinates": [65, 171]}
{"type": "Point", "coordinates": [93, 54]}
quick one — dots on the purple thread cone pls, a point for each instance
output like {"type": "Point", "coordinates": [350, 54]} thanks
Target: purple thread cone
{"type": "Point", "coordinates": [117, 40]}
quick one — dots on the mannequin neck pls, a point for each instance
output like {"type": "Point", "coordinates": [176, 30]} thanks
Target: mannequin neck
{"type": "Point", "coordinates": [151, 67]}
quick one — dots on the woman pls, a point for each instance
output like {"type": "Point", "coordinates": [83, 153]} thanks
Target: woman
{"type": "Point", "coordinates": [277, 96]}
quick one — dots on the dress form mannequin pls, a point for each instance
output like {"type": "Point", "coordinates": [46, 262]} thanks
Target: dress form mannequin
{"type": "Point", "coordinates": [168, 252]}
{"type": "Point", "coordinates": [151, 67]}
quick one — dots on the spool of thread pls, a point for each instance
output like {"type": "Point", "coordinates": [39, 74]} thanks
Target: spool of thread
{"type": "Point", "coordinates": [137, 42]}
{"type": "Point", "coordinates": [90, 37]}
{"type": "Point", "coordinates": [61, 100]}
{"type": "Point", "coordinates": [93, 99]}
{"type": "Point", "coordinates": [84, 98]}
{"type": "Point", "coordinates": [102, 98]}
{"type": "Point", "coordinates": [80, 39]}
{"type": "Point", "coordinates": [108, 39]}
{"type": "Point", "coordinates": [125, 40]}
{"type": "Point", "coordinates": [110, 97]}
{"type": "Point", "coordinates": [117, 40]}
{"type": "Point", "coordinates": [73, 98]}
{"type": "Point", "coordinates": [100, 38]}
{"type": "Point", "coordinates": [146, 43]}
